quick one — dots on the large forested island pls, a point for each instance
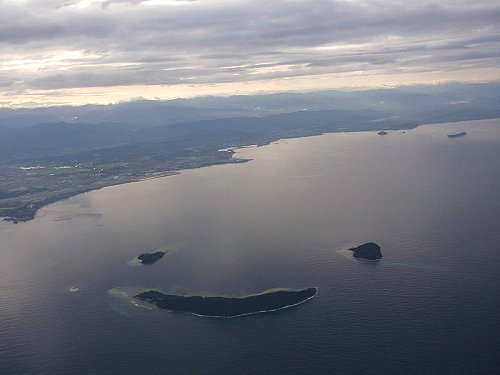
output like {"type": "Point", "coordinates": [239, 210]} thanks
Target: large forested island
{"type": "Point", "coordinates": [228, 307]}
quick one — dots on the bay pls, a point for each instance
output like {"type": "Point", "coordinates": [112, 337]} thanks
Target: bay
{"type": "Point", "coordinates": [281, 220]}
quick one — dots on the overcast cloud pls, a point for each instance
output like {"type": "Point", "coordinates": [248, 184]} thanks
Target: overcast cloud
{"type": "Point", "coordinates": [52, 46]}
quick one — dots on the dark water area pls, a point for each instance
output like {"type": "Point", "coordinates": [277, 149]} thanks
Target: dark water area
{"type": "Point", "coordinates": [283, 220]}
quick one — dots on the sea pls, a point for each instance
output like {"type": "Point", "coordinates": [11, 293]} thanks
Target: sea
{"type": "Point", "coordinates": [284, 219]}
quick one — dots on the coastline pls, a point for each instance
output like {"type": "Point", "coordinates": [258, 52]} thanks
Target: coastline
{"type": "Point", "coordinates": [347, 253]}
{"type": "Point", "coordinates": [30, 208]}
{"type": "Point", "coordinates": [233, 298]}
{"type": "Point", "coordinates": [256, 312]}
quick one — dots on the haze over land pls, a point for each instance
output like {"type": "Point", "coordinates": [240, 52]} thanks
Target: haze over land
{"type": "Point", "coordinates": [56, 152]}
{"type": "Point", "coordinates": [69, 57]}
{"type": "Point", "coordinates": [96, 93]}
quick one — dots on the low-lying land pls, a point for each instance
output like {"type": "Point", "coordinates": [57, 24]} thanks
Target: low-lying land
{"type": "Point", "coordinates": [42, 163]}
{"type": "Point", "coordinates": [226, 307]}
{"type": "Point", "coordinates": [150, 258]}
{"type": "Point", "coordinates": [24, 189]}
{"type": "Point", "coordinates": [456, 135]}
{"type": "Point", "coordinates": [37, 178]}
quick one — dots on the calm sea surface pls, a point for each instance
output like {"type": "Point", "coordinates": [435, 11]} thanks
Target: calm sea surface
{"type": "Point", "coordinates": [431, 306]}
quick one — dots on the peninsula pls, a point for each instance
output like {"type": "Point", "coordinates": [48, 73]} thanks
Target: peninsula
{"type": "Point", "coordinates": [228, 307]}
{"type": "Point", "coordinates": [150, 258]}
{"type": "Point", "coordinates": [367, 251]}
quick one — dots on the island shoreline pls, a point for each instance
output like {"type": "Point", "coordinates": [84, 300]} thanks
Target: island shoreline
{"type": "Point", "coordinates": [162, 297]}
{"type": "Point", "coordinates": [248, 314]}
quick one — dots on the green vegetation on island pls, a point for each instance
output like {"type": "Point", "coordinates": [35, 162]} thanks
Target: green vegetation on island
{"type": "Point", "coordinates": [150, 258]}
{"type": "Point", "coordinates": [367, 251]}
{"type": "Point", "coordinates": [227, 307]}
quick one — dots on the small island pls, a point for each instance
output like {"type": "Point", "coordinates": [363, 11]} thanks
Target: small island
{"type": "Point", "coordinates": [150, 258]}
{"type": "Point", "coordinates": [367, 251]}
{"type": "Point", "coordinates": [382, 132]}
{"type": "Point", "coordinates": [228, 307]}
{"type": "Point", "coordinates": [456, 135]}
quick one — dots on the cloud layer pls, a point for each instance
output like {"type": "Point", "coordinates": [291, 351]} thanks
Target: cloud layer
{"type": "Point", "coordinates": [57, 45]}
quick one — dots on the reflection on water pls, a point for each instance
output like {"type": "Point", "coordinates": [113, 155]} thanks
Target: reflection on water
{"type": "Point", "coordinates": [279, 221]}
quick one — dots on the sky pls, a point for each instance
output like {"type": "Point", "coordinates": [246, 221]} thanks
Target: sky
{"type": "Point", "coordinates": [89, 51]}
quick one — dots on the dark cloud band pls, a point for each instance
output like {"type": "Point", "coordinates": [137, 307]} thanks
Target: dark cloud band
{"type": "Point", "coordinates": [71, 44]}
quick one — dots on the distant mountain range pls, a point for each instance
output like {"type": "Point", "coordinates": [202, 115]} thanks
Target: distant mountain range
{"type": "Point", "coordinates": [411, 100]}
{"type": "Point", "coordinates": [105, 145]}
